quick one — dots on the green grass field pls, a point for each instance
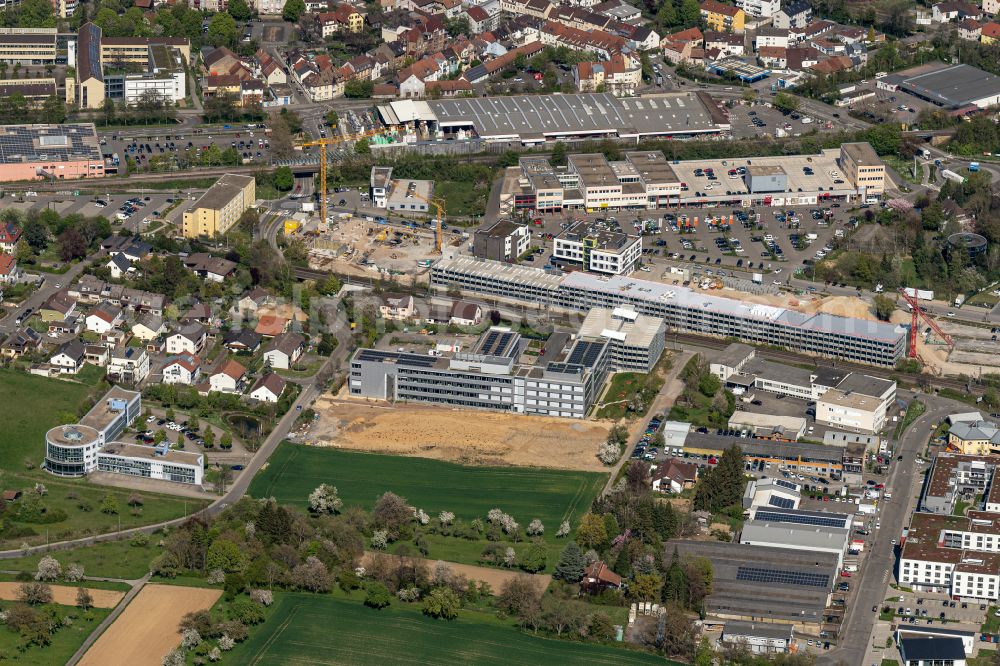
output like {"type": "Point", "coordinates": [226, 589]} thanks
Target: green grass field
{"type": "Point", "coordinates": [111, 559]}
{"type": "Point", "coordinates": [434, 486]}
{"type": "Point", "coordinates": [313, 629]}
{"type": "Point", "coordinates": [35, 405]}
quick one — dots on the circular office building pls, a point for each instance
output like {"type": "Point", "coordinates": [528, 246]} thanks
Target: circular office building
{"type": "Point", "coordinates": [68, 448]}
{"type": "Point", "coordinates": [974, 244]}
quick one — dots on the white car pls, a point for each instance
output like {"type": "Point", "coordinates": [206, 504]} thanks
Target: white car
{"type": "Point", "coordinates": [150, 419]}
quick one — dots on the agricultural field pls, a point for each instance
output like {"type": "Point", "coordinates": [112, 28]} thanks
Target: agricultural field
{"type": "Point", "coordinates": [298, 631]}
{"type": "Point", "coordinates": [432, 485]}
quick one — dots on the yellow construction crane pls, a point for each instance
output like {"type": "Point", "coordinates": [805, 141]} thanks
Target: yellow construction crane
{"type": "Point", "coordinates": [439, 205]}
{"type": "Point", "coordinates": [323, 144]}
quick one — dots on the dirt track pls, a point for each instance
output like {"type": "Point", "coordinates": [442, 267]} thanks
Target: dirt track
{"type": "Point", "coordinates": [495, 577]}
{"type": "Point", "coordinates": [66, 595]}
{"type": "Point", "coordinates": [147, 629]}
{"type": "Point", "coordinates": [464, 436]}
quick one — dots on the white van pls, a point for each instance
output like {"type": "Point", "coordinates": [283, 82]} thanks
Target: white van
{"type": "Point", "coordinates": [850, 568]}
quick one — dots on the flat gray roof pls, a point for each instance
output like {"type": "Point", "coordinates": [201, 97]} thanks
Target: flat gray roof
{"type": "Point", "coordinates": [758, 630]}
{"type": "Point", "coordinates": [222, 192]}
{"type": "Point", "coordinates": [577, 114]}
{"type": "Point", "coordinates": [806, 536]}
{"type": "Point", "coordinates": [953, 86]}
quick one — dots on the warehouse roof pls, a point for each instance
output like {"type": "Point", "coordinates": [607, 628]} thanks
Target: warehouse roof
{"type": "Point", "coordinates": [953, 86]}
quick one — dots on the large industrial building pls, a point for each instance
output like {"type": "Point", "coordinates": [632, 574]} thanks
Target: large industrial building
{"type": "Point", "coordinates": [220, 207]}
{"type": "Point", "coordinates": [564, 380]}
{"type": "Point", "coordinates": [683, 309]}
{"type": "Point", "coordinates": [78, 449]}
{"type": "Point", "coordinates": [534, 119]}
{"type": "Point", "coordinates": [647, 180]}
{"type": "Point", "coordinates": [948, 86]}
{"type": "Point", "coordinates": [50, 152]}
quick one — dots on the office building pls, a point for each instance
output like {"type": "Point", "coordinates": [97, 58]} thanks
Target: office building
{"type": "Point", "coordinates": [50, 152]}
{"type": "Point", "coordinates": [683, 309]}
{"type": "Point", "coordinates": [563, 381]}
{"type": "Point", "coordinates": [636, 341]}
{"type": "Point", "coordinates": [159, 462]}
{"type": "Point", "coordinates": [758, 637]}
{"type": "Point", "coordinates": [410, 196]}
{"type": "Point", "coordinates": [220, 207]}
{"type": "Point", "coordinates": [28, 46]}
{"type": "Point", "coordinates": [594, 248]}
{"type": "Point", "coordinates": [864, 168]}
{"type": "Point", "coordinates": [501, 240]}
{"type": "Point", "coordinates": [71, 450]}
{"type": "Point", "coordinates": [164, 78]}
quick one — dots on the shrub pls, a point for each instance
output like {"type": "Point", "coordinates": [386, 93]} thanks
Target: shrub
{"type": "Point", "coordinates": [377, 596]}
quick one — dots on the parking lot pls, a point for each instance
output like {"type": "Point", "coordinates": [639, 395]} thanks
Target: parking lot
{"type": "Point", "coordinates": [149, 209]}
{"type": "Point", "coordinates": [184, 146]}
{"type": "Point", "coordinates": [764, 243]}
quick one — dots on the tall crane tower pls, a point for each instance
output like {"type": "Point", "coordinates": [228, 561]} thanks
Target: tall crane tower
{"type": "Point", "coordinates": [917, 313]}
{"type": "Point", "coordinates": [439, 206]}
{"type": "Point", "coordinates": [324, 144]}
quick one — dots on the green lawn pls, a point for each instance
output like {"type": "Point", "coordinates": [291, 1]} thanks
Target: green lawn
{"type": "Point", "coordinates": [34, 405]}
{"type": "Point", "coordinates": [112, 559]}
{"type": "Point", "coordinates": [313, 629]}
{"type": "Point", "coordinates": [462, 199]}
{"type": "Point", "coordinates": [992, 623]}
{"type": "Point", "coordinates": [470, 492]}
{"type": "Point", "coordinates": [65, 641]}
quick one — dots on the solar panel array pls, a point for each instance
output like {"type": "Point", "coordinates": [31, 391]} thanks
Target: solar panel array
{"type": "Point", "coordinates": [566, 368]}
{"type": "Point", "coordinates": [28, 143]}
{"type": "Point", "coordinates": [781, 502]}
{"type": "Point", "coordinates": [496, 343]}
{"type": "Point", "coordinates": [379, 356]}
{"type": "Point", "coordinates": [786, 484]}
{"type": "Point", "coordinates": [802, 578]}
{"type": "Point", "coordinates": [586, 353]}
{"type": "Point", "coordinates": [802, 518]}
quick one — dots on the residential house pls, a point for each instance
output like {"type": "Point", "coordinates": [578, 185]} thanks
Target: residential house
{"type": "Point", "coordinates": [270, 69]}
{"type": "Point", "coordinates": [398, 307]}
{"type": "Point", "coordinates": [182, 369]}
{"type": "Point", "coordinates": [120, 266]}
{"type": "Point", "coordinates": [991, 7]}
{"type": "Point", "coordinates": [944, 12]}
{"type": "Point", "coordinates": [20, 342]}
{"type": "Point", "coordinates": [769, 36]}
{"type": "Point", "coordinates": [990, 33]}
{"type": "Point", "coordinates": [10, 233]}
{"type": "Point", "coordinates": [241, 340]}
{"type": "Point", "coordinates": [604, 44]}
{"type": "Point", "coordinates": [268, 388]}
{"type": "Point", "coordinates": [620, 76]}
{"type": "Point", "coordinates": [222, 61]}
{"type": "Point", "coordinates": [114, 337]}
{"type": "Point", "coordinates": [641, 37]}
{"type": "Point", "coordinates": [251, 93]}
{"type": "Point", "coordinates": [456, 88]}
{"type": "Point", "coordinates": [98, 355]}
{"type": "Point", "coordinates": [833, 65]}
{"type": "Point", "coordinates": [598, 577]}
{"type": "Point", "coordinates": [479, 20]}
{"type": "Point", "coordinates": [794, 15]}
{"type": "Point", "coordinates": [253, 300]}
{"type": "Point", "coordinates": [970, 30]}
{"type": "Point", "coordinates": [148, 326]}
{"type": "Point", "coordinates": [9, 272]}
{"type": "Point", "coordinates": [71, 325]}
{"type": "Point", "coordinates": [211, 268]}
{"type": "Point", "coordinates": [57, 307]}
{"type": "Point", "coordinates": [198, 313]}
{"type": "Point", "coordinates": [271, 325]}
{"type": "Point", "coordinates": [188, 340]}
{"type": "Point", "coordinates": [726, 43]}
{"type": "Point", "coordinates": [134, 249]}
{"type": "Point", "coordinates": [465, 313]}
{"type": "Point", "coordinates": [723, 18]}
{"type": "Point", "coordinates": [344, 18]}
{"type": "Point", "coordinates": [129, 365]}
{"type": "Point", "coordinates": [674, 476]}
{"type": "Point", "coordinates": [70, 357]}
{"type": "Point", "coordinates": [284, 350]}
{"type": "Point", "coordinates": [104, 317]}
{"type": "Point", "coordinates": [686, 46]}
{"type": "Point", "coordinates": [229, 378]}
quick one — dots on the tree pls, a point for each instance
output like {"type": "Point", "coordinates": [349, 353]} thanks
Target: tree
{"type": "Point", "coordinates": [332, 118]}
{"type": "Point", "coordinates": [311, 575]}
{"type": "Point", "coordinates": [284, 179]}
{"type": "Point", "coordinates": [48, 569]}
{"type": "Point", "coordinates": [377, 596]}
{"type": "Point", "coordinates": [442, 603]}
{"type": "Point", "coordinates": [884, 306]}
{"type": "Point", "coordinates": [34, 594]}
{"type": "Point", "coordinates": [36, 234]}
{"type": "Point", "coordinates": [109, 504]}
{"type": "Point", "coordinates": [645, 587]}
{"type": "Point", "coordinates": [362, 147]}
{"type": "Point", "coordinates": [84, 600]}
{"type": "Point", "coordinates": [226, 441]}
{"type": "Point", "coordinates": [591, 533]}
{"type": "Point", "coordinates": [239, 10]}
{"type": "Point", "coordinates": [885, 138]}
{"type": "Point", "coordinates": [282, 146]}
{"type": "Point", "coordinates": [222, 30]}
{"type": "Point", "coordinates": [355, 88]}
{"type": "Point", "coordinates": [558, 157]}
{"type": "Point", "coordinates": [709, 384]}
{"type": "Point", "coordinates": [533, 560]}
{"type": "Point", "coordinates": [293, 10]}
{"type": "Point", "coordinates": [324, 499]}
{"type": "Point", "coordinates": [690, 12]}
{"type": "Point", "coordinates": [571, 563]}
{"type": "Point", "coordinates": [457, 26]}
{"type": "Point", "coordinates": [391, 512]}
{"type": "Point", "coordinates": [675, 583]}
{"type": "Point", "coordinates": [72, 245]}
{"type": "Point", "coordinates": [226, 555]}
{"type": "Point", "coordinates": [722, 486]}
{"type": "Point", "coordinates": [518, 595]}
{"type": "Point", "coordinates": [786, 103]}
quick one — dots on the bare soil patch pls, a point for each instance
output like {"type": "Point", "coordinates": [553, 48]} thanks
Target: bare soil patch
{"type": "Point", "coordinates": [459, 435]}
{"type": "Point", "coordinates": [66, 595]}
{"type": "Point", "coordinates": [147, 630]}
{"type": "Point", "coordinates": [496, 578]}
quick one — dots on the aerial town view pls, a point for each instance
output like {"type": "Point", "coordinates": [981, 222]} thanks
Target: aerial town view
{"type": "Point", "coordinates": [500, 332]}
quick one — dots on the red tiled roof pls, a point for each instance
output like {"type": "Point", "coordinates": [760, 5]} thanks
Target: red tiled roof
{"type": "Point", "coordinates": [714, 7]}
{"type": "Point", "coordinates": [7, 264]}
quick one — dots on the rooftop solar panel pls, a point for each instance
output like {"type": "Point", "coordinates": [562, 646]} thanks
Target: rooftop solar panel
{"type": "Point", "coordinates": [378, 356]}
{"type": "Point", "coordinates": [786, 484]}
{"type": "Point", "coordinates": [585, 353]}
{"type": "Point", "coordinates": [781, 502]}
{"type": "Point", "coordinates": [801, 578]}
{"type": "Point", "coordinates": [802, 518]}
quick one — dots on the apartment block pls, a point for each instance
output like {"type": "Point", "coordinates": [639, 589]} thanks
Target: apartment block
{"type": "Point", "coordinates": [863, 167]}
{"type": "Point", "coordinates": [220, 207]}
{"type": "Point", "coordinates": [956, 555]}
{"type": "Point", "coordinates": [593, 247]}
{"type": "Point", "coordinates": [502, 240]}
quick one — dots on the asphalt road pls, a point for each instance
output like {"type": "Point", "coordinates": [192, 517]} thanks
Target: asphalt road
{"type": "Point", "coordinates": [7, 324]}
{"type": "Point", "coordinates": [869, 586]}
